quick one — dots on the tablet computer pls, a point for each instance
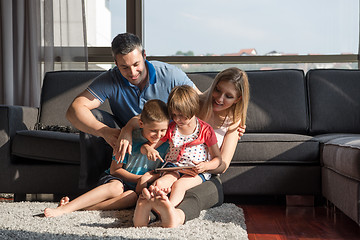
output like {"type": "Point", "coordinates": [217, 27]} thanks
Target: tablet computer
{"type": "Point", "coordinates": [173, 168]}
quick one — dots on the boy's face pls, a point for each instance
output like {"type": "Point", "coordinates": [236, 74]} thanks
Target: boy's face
{"type": "Point", "coordinates": [154, 131]}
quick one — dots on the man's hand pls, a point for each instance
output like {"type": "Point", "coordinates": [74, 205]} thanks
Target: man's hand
{"type": "Point", "coordinates": [123, 144]}
{"type": "Point", "coordinates": [110, 135]}
{"type": "Point", "coordinates": [241, 130]}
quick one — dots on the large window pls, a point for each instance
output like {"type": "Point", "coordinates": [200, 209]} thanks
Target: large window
{"type": "Point", "coordinates": [203, 35]}
{"type": "Point", "coordinates": [260, 27]}
{"type": "Point", "coordinates": [104, 19]}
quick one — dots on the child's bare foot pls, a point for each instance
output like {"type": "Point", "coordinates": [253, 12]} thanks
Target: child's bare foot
{"type": "Point", "coordinates": [143, 207]}
{"type": "Point", "coordinates": [146, 194]}
{"type": "Point", "coordinates": [53, 212]}
{"type": "Point", "coordinates": [64, 201]}
{"type": "Point", "coordinates": [170, 216]}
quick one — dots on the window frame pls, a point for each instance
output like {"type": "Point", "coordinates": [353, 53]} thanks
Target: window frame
{"type": "Point", "coordinates": [134, 24]}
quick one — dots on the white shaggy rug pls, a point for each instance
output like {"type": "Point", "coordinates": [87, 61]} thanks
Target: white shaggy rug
{"type": "Point", "coordinates": [21, 220]}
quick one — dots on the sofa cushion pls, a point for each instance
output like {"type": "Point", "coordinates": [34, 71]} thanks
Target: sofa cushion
{"type": "Point", "coordinates": [47, 146]}
{"type": "Point", "coordinates": [59, 90]}
{"type": "Point", "coordinates": [257, 148]}
{"type": "Point", "coordinates": [342, 155]}
{"type": "Point", "coordinates": [334, 100]}
{"type": "Point", "coordinates": [202, 80]}
{"type": "Point", "coordinates": [278, 100]}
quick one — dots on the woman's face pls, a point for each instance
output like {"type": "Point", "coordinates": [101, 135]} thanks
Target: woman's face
{"type": "Point", "coordinates": [224, 96]}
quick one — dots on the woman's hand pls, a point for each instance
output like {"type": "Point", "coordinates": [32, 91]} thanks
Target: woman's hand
{"type": "Point", "coordinates": [241, 130]}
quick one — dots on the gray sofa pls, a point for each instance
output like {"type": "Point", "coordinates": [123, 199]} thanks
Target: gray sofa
{"type": "Point", "coordinates": [302, 138]}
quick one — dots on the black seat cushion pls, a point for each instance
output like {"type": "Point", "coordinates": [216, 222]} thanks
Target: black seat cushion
{"type": "Point", "coordinates": [342, 155]}
{"type": "Point", "coordinates": [334, 100]}
{"type": "Point", "coordinates": [262, 148]}
{"type": "Point", "coordinates": [47, 146]}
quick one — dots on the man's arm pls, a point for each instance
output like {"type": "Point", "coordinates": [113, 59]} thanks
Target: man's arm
{"type": "Point", "coordinates": [80, 116]}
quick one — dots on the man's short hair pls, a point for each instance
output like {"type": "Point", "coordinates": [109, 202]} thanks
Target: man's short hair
{"type": "Point", "coordinates": [125, 43]}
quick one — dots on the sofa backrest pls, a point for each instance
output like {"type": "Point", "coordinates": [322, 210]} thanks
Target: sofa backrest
{"type": "Point", "coordinates": [334, 98]}
{"type": "Point", "coordinates": [59, 90]}
{"type": "Point", "coordinates": [278, 100]}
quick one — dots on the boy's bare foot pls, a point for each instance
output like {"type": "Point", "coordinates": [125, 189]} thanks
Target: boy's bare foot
{"type": "Point", "coordinates": [170, 216]}
{"type": "Point", "coordinates": [53, 212]}
{"type": "Point", "coordinates": [64, 201]}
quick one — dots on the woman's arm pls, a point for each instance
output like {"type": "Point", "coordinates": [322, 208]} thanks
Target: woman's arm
{"type": "Point", "coordinates": [227, 149]}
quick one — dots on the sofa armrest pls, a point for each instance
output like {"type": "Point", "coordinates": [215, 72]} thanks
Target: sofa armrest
{"type": "Point", "coordinates": [12, 119]}
{"type": "Point", "coordinates": [15, 118]}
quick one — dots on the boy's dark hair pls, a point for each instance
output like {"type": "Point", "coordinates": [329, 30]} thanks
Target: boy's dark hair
{"type": "Point", "coordinates": [154, 110]}
{"type": "Point", "coordinates": [125, 43]}
{"type": "Point", "coordinates": [184, 99]}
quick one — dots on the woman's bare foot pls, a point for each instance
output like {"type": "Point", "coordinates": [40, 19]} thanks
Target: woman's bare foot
{"type": "Point", "coordinates": [64, 201]}
{"type": "Point", "coordinates": [170, 216]}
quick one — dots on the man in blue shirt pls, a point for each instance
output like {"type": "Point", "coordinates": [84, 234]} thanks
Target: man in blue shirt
{"type": "Point", "coordinates": [127, 86]}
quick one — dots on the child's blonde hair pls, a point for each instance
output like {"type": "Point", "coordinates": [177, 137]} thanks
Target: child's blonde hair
{"type": "Point", "coordinates": [183, 99]}
{"type": "Point", "coordinates": [239, 110]}
{"type": "Point", "coordinates": [154, 110]}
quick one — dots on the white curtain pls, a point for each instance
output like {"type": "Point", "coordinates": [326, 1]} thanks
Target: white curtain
{"type": "Point", "coordinates": [37, 36]}
{"type": "Point", "coordinates": [64, 33]}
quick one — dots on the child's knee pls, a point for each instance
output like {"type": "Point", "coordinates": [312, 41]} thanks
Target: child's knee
{"type": "Point", "coordinates": [115, 188]}
{"type": "Point", "coordinates": [178, 186]}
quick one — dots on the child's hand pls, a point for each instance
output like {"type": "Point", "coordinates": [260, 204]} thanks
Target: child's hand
{"type": "Point", "coordinates": [150, 153]}
{"type": "Point", "coordinates": [153, 154]}
{"type": "Point", "coordinates": [200, 167]}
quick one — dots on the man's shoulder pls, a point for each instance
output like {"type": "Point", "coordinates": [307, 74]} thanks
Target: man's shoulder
{"type": "Point", "coordinates": [108, 76]}
{"type": "Point", "coordinates": [163, 68]}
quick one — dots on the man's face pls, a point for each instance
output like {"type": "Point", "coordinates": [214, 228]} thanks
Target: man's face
{"type": "Point", "coordinates": [132, 66]}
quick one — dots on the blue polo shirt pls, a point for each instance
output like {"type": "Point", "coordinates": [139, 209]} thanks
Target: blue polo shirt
{"type": "Point", "coordinates": [126, 100]}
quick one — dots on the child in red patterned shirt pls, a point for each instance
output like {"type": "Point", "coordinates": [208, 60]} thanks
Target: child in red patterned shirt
{"type": "Point", "coordinates": [192, 143]}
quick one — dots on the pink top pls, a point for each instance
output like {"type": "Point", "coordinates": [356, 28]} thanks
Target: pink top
{"type": "Point", "coordinates": [220, 132]}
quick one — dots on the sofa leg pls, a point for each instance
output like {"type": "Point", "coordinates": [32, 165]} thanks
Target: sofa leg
{"type": "Point", "coordinates": [300, 200]}
{"type": "Point", "coordinates": [19, 197]}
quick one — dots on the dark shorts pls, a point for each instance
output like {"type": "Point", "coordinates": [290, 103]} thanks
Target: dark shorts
{"type": "Point", "coordinates": [105, 178]}
{"type": "Point", "coordinates": [169, 164]}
